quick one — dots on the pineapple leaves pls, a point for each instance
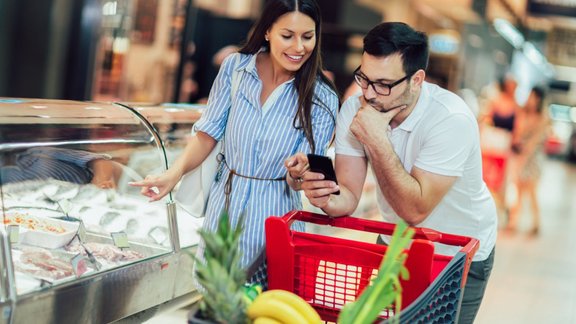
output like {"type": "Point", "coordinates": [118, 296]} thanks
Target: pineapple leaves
{"type": "Point", "coordinates": [220, 274]}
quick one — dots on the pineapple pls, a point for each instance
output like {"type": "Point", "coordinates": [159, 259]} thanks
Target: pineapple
{"type": "Point", "coordinates": [221, 276]}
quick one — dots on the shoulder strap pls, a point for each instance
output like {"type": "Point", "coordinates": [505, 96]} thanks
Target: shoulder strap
{"type": "Point", "coordinates": [235, 79]}
{"type": "Point", "coordinates": [235, 82]}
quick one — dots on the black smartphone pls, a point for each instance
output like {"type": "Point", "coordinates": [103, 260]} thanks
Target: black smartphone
{"type": "Point", "coordinates": [323, 164]}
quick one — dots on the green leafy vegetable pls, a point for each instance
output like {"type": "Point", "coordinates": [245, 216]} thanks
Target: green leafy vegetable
{"type": "Point", "coordinates": [385, 288]}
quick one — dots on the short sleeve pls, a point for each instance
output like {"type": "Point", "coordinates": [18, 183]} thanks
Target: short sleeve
{"type": "Point", "coordinates": [215, 116]}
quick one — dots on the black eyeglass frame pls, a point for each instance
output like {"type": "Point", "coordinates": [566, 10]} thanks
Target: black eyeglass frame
{"type": "Point", "coordinates": [359, 78]}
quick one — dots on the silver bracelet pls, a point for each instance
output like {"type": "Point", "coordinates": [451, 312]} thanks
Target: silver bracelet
{"type": "Point", "coordinates": [297, 180]}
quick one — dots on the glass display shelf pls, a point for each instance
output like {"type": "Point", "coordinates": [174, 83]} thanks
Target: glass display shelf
{"type": "Point", "coordinates": [79, 243]}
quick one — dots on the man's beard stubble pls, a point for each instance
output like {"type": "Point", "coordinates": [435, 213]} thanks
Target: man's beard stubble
{"type": "Point", "coordinates": [405, 99]}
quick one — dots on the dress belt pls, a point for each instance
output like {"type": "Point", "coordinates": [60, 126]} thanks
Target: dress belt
{"type": "Point", "coordinates": [228, 186]}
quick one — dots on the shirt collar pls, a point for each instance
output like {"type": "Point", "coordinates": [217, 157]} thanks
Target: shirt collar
{"type": "Point", "coordinates": [410, 122]}
{"type": "Point", "coordinates": [251, 65]}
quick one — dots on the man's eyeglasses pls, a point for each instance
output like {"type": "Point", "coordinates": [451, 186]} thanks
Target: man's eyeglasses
{"type": "Point", "coordinates": [380, 88]}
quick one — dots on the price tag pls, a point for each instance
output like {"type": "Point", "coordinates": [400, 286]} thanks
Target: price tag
{"type": "Point", "coordinates": [158, 234]}
{"type": "Point", "coordinates": [14, 233]}
{"type": "Point", "coordinates": [79, 264]}
{"type": "Point", "coordinates": [120, 239]}
{"type": "Point", "coordinates": [82, 232]}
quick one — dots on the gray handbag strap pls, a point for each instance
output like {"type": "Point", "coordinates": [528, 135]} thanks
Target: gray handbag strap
{"type": "Point", "coordinates": [235, 79]}
{"type": "Point", "coordinates": [235, 83]}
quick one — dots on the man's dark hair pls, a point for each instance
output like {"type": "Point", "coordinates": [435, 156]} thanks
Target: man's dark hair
{"type": "Point", "coordinates": [396, 37]}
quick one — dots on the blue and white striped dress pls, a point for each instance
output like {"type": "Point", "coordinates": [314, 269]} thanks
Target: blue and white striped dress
{"type": "Point", "coordinates": [257, 141]}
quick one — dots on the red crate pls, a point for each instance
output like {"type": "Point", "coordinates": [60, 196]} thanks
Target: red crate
{"type": "Point", "coordinates": [328, 272]}
{"type": "Point", "coordinates": [494, 170]}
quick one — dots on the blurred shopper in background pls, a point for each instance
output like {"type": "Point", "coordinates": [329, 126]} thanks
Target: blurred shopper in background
{"type": "Point", "coordinates": [284, 104]}
{"type": "Point", "coordinates": [502, 110]}
{"type": "Point", "coordinates": [422, 143]}
{"type": "Point", "coordinates": [497, 126]}
{"type": "Point", "coordinates": [532, 126]}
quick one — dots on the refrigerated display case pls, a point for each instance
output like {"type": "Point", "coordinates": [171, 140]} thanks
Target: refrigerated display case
{"type": "Point", "coordinates": [79, 244]}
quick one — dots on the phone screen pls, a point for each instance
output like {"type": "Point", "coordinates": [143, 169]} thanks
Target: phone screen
{"type": "Point", "coordinates": [323, 164]}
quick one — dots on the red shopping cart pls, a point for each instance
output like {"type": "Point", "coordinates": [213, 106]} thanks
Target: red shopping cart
{"type": "Point", "coordinates": [328, 271]}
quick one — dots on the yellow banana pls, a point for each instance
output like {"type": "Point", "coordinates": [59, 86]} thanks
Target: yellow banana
{"type": "Point", "coordinates": [275, 309]}
{"type": "Point", "coordinates": [265, 320]}
{"type": "Point", "coordinates": [296, 302]}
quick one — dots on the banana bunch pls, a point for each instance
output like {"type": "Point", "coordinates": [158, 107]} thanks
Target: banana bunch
{"type": "Point", "coordinates": [281, 306]}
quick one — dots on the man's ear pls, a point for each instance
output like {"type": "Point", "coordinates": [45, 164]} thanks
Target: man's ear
{"type": "Point", "coordinates": [418, 77]}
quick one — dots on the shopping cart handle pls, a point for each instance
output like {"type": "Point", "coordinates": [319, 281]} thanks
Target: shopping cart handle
{"type": "Point", "coordinates": [427, 233]}
{"type": "Point", "coordinates": [372, 226]}
{"type": "Point", "coordinates": [298, 215]}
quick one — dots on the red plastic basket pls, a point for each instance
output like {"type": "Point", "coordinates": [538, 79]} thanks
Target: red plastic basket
{"type": "Point", "coordinates": [328, 272]}
{"type": "Point", "coordinates": [494, 170]}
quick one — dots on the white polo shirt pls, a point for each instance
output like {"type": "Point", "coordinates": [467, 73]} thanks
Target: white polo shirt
{"type": "Point", "coordinates": [439, 136]}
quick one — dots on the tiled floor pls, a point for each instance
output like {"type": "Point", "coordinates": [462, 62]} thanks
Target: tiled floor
{"type": "Point", "coordinates": [534, 278]}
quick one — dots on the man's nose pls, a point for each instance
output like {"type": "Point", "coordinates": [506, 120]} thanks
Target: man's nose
{"type": "Point", "coordinates": [369, 92]}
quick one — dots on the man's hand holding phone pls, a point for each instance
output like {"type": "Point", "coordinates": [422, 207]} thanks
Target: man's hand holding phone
{"type": "Point", "coordinates": [320, 181]}
{"type": "Point", "coordinates": [323, 165]}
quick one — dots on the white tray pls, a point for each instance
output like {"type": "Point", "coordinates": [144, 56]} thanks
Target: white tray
{"type": "Point", "coordinates": [41, 234]}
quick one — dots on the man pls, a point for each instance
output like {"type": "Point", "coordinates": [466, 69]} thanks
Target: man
{"type": "Point", "coordinates": [423, 145]}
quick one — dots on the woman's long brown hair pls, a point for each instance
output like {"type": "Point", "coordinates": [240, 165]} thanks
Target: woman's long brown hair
{"type": "Point", "coordinates": [306, 77]}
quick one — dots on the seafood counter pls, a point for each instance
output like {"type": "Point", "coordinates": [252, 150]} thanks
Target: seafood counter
{"type": "Point", "coordinates": [78, 243]}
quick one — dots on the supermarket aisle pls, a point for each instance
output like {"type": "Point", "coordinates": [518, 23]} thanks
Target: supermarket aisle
{"type": "Point", "coordinates": [534, 278]}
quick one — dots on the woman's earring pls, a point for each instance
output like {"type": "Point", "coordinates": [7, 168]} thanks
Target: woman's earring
{"type": "Point", "coordinates": [266, 38]}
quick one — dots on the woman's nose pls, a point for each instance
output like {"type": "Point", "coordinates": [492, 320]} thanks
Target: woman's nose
{"type": "Point", "coordinates": [299, 44]}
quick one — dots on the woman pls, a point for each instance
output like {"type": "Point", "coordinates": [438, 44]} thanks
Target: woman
{"type": "Point", "coordinates": [502, 110]}
{"type": "Point", "coordinates": [284, 104]}
{"type": "Point", "coordinates": [528, 144]}
{"type": "Point", "coordinates": [499, 121]}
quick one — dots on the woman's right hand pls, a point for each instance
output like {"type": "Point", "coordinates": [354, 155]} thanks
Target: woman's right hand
{"type": "Point", "coordinates": [156, 187]}
{"type": "Point", "coordinates": [296, 166]}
